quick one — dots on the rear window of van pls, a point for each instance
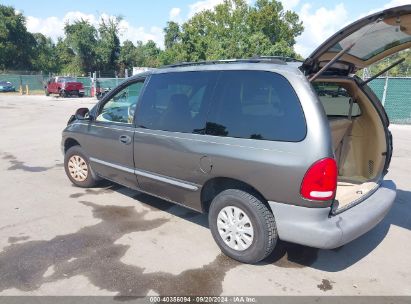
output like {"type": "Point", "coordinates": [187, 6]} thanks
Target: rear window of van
{"type": "Point", "coordinates": [256, 105]}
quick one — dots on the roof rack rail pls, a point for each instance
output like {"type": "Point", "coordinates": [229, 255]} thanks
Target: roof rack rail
{"type": "Point", "coordinates": [283, 58]}
{"type": "Point", "coordinates": [262, 59]}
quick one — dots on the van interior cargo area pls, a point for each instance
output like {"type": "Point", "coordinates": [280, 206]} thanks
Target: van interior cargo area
{"type": "Point", "coordinates": [358, 139]}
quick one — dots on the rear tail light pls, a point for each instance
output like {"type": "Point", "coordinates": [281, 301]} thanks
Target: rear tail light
{"type": "Point", "coordinates": [320, 181]}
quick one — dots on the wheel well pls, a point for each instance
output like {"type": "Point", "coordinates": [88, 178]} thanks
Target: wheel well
{"type": "Point", "coordinates": [70, 143]}
{"type": "Point", "coordinates": [215, 186]}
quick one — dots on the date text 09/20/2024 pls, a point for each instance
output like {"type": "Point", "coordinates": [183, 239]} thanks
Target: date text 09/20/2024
{"type": "Point", "coordinates": [205, 299]}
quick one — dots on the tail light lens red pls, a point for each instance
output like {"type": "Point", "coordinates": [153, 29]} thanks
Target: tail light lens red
{"type": "Point", "coordinates": [320, 181]}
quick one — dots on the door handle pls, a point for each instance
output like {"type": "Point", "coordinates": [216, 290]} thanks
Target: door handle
{"type": "Point", "coordinates": [125, 139]}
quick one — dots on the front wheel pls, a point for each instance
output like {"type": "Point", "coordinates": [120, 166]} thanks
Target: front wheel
{"type": "Point", "coordinates": [78, 169]}
{"type": "Point", "coordinates": [242, 226]}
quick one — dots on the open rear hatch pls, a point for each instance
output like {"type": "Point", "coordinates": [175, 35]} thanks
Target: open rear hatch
{"type": "Point", "coordinates": [366, 41]}
{"type": "Point", "coordinates": [358, 139]}
{"type": "Point", "coordinates": [362, 144]}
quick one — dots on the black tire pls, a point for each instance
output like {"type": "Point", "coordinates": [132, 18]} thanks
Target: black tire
{"type": "Point", "coordinates": [262, 220]}
{"type": "Point", "coordinates": [63, 93]}
{"type": "Point", "coordinates": [80, 95]}
{"type": "Point", "coordinates": [91, 180]}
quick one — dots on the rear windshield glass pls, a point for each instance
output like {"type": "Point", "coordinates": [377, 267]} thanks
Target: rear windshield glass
{"type": "Point", "coordinates": [336, 100]}
{"type": "Point", "coordinates": [374, 39]}
{"type": "Point", "coordinates": [256, 105]}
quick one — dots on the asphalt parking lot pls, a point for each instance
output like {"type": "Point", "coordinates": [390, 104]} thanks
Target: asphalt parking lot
{"type": "Point", "coordinates": [56, 239]}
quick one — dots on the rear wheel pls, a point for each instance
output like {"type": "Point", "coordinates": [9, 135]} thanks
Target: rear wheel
{"type": "Point", "coordinates": [78, 169]}
{"type": "Point", "coordinates": [63, 93]}
{"type": "Point", "coordinates": [242, 226]}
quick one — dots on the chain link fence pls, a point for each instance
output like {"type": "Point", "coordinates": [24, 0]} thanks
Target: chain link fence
{"type": "Point", "coordinates": [108, 83]}
{"type": "Point", "coordinates": [394, 92]}
{"type": "Point", "coordinates": [395, 95]}
{"type": "Point", "coordinates": [36, 83]}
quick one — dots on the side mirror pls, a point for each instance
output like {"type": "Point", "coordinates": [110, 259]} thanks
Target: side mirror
{"type": "Point", "coordinates": [82, 114]}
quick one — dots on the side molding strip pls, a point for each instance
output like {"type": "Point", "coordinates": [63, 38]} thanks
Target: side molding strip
{"type": "Point", "coordinates": [160, 178]}
{"type": "Point", "coordinates": [118, 167]}
{"type": "Point", "coordinates": [167, 180]}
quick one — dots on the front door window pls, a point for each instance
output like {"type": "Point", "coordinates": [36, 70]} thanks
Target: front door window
{"type": "Point", "coordinates": [121, 107]}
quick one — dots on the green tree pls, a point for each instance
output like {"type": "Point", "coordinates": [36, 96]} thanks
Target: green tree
{"type": "Point", "coordinates": [127, 55]}
{"type": "Point", "coordinates": [44, 54]}
{"type": "Point", "coordinates": [64, 53]}
{"type": "Point", "coordinates": [234, 29]}
{"type": "Point", "coordinates": [65, 57]}
{"type": "Point", "coordinates": [177, 53]}
{"type": "Point", "coordinates": [150, 54]}
{"type": "Point", "coordinates": [278, 25]}
{"type": "Point", "coordinates": [82, 38]}
{"type": "Point", "coordinates": [108, 47]}
{"type": "Point", "coordinates": [403, 69]}
{"type": "Point", "coordinates": [172, 34]}
{"type": "Point", "coordinates": [16, 44]}
{"type": "Point", "coordinates": [139, 55]}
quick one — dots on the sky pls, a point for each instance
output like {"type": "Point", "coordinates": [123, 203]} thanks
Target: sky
{"type": "Point", "coordinates": [145, 20]}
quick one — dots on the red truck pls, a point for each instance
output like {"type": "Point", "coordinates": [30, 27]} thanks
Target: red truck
{"type": "Point", "coordinates": [64, 86]}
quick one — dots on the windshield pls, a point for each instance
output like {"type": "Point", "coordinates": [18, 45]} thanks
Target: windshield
{"type": "Point", "coordinates": [375, 38]}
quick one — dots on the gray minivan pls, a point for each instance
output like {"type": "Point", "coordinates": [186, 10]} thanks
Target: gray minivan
{"type": "Point", "coordinates": [270, 149]}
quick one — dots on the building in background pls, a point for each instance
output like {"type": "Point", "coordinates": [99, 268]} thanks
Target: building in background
{"type": "Point", "coordinates": [139, 70]}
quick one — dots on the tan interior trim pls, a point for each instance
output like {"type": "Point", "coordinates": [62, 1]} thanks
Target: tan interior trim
{"type": "Point", "coordinates": [360, 157]}
{"type": "Point", "coordinates": [348, 192]}
{"type": "Point", "coordinates": [340, 128]}
{"type": "Point", "coordinates": [404, 22]}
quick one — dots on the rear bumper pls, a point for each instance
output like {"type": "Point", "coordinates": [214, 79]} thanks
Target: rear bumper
{"type": "Point", "coordinates": [315, 227]}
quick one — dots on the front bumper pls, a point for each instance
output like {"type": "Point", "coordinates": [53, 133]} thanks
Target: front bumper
{"type": "Point", "coordinates": [315, 227]}
{"type": "Point", "coordinates": [62, 147]}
